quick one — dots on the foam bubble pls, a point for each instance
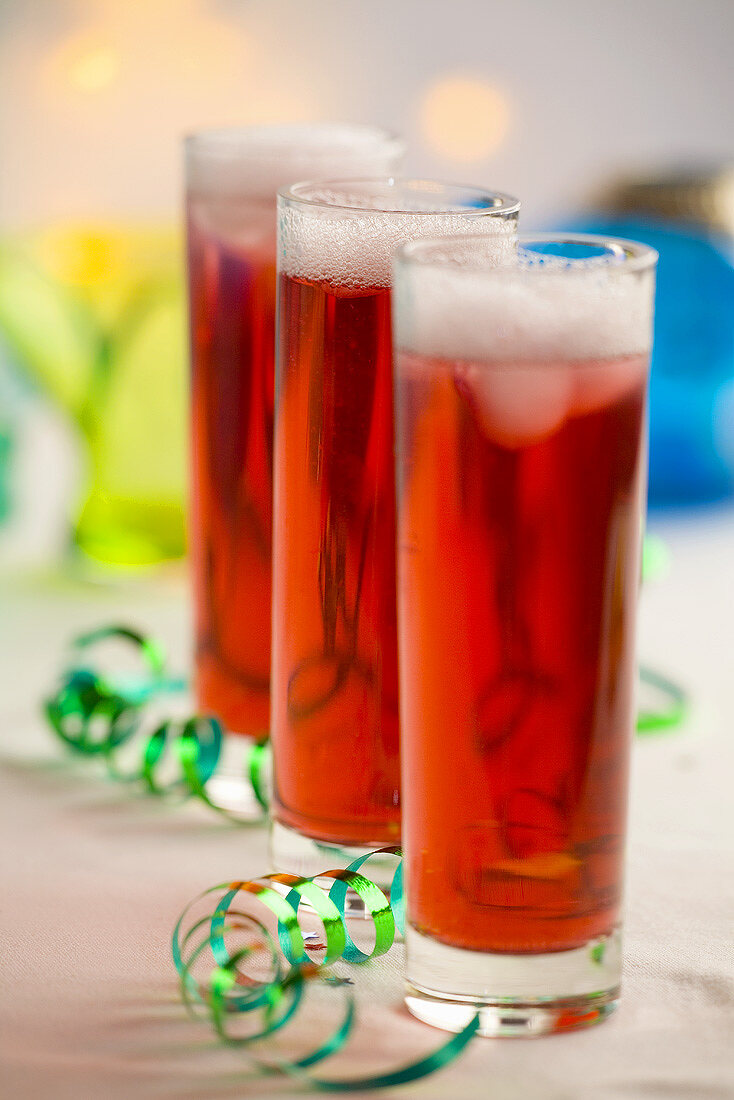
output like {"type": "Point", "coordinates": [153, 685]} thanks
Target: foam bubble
{"type": "Point", "coordinates": [244, 227]}
{"type": "Point", "coordinates": [518, 407]}
{"type": "Point", "coordinates": [597, 384]}
{"type": "Point", "coordinates": [521, 404]}
{"type": "Point", "coordinates": [512, 313]}
{"type": "Point", "coordinates": [350, 239]}
{"type": "Point", "coordinates": [258, 160]}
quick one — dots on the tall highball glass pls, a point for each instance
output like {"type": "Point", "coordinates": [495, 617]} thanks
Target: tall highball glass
{"type": "Point", "coordinates": [521, 395]}
{"type": "Point", "coordinates": [335, 679]}
{"type": "Point", "coordinates": [232, 177]}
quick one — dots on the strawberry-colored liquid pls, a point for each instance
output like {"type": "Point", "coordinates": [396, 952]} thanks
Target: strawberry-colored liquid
{"type": "Point", "coordinates": [335, 720]}
{"type": "Point", "coordinates": [519, 534]}
{"type": "Point", "coordinates": [232, 303]}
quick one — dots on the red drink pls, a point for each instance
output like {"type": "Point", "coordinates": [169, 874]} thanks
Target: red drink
{"type": "Point", "coordinates": [335, 703]}
{"type": "Point", "coordinates": [232, 179]}
{"type": "Point", "coordinates": [335, 678]}
{"type": "Point", "coordinates": [232, 296]}
{"type": "Point", "coordinates": [521, 478]}
{"type": "Point", "coordinates": [519, 562]}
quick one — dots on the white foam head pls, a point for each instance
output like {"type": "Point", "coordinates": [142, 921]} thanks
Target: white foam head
{"type": "Point", "coordinates": [584, 300]}
{"type": "Point", "coordinates": [346, 232]}
{"type": "Point", "coordinates": [255, 161]}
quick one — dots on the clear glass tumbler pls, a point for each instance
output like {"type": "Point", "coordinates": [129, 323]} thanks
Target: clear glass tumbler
{"type": "Point", "coordinates": [232, 177]}
{"type": "Point", "coordinates": [335, 679]}
{"type": "Point", "coordinates": [521, 461]}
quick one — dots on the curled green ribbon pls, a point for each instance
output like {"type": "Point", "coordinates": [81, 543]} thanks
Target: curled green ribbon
{"type": "Point", "coordinates": [231, 991]}
{"type": "Point", "coordinates": [95, 716]}
{"type": "Point", "coordinates": [672, 708]}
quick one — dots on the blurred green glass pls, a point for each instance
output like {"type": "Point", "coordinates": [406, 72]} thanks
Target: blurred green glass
{"type": "Point", "coordinates": [95, 317]}
{"type": "Point", "coordinates": [6, 449]}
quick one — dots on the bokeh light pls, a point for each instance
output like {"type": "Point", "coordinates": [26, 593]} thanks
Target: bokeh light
{"type": "Point", "coordinates": [94, 69]}
{"type": "Point", "coordinates": [464, 118]}
{"type": "Point", "coordinates": [86, 63]}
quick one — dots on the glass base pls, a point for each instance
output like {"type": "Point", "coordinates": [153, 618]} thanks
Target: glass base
{"type": "Point", "coordinates": [296, 854]}
{"type": "Point", "coordinates": [514, 995]}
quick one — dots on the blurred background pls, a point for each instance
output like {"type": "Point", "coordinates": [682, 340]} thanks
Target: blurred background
{"type": "Point", "coordinates": [616, 117]}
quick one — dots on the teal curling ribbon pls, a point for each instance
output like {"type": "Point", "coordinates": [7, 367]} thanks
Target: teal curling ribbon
{"type": "Point", "coordinates": [672, 701]}
{"type": "Point", "coordinates": [95, 716]}
{"type": "Point", "coordinates": [672, 708]}
{"type": "Point", "coordinates": [230, 991]}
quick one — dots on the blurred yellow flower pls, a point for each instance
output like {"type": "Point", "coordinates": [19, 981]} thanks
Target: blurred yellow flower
{"type": "Point", "coordinates": [106, 262]}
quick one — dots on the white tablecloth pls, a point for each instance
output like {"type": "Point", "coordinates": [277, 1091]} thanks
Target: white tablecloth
{"type": "Point", "coordinates": [93, 876]}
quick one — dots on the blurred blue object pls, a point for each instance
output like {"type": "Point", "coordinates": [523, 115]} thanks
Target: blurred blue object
{"type": "Point", "coordinates": [692, 384]}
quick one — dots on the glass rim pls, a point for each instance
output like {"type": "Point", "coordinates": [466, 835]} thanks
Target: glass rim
{"type": "Point", "coordinates": [267, 141]}
{"type": "Point", "coordinates": [628, 257]}
{"type": "Point", "coordinates": [503, 205]}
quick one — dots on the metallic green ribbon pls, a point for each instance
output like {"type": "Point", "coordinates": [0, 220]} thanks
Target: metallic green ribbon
{"type": "Point", "coordinates": [673, 708]}
{"type": "Point", "coordinates": [231, 991]}
{"type": "Point", "coordinates": [95, 716]}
